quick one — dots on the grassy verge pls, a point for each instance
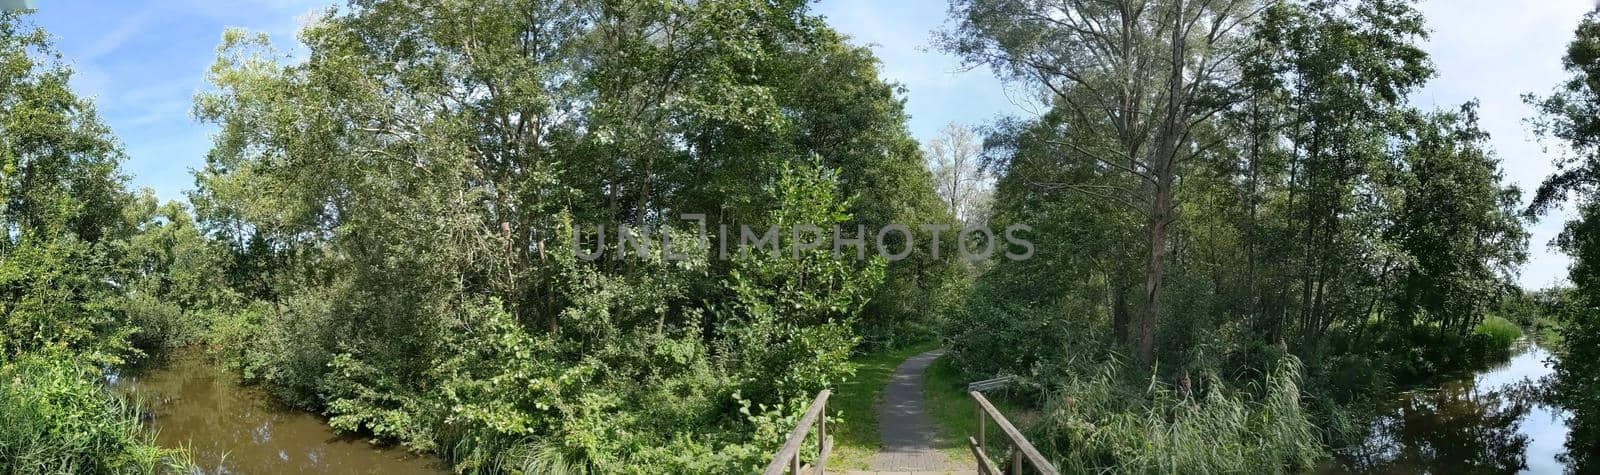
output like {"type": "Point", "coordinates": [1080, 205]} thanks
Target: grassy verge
{"type": "Point", "coordinates": [955, 414]}
{"type": "Point", "coordinates": [854, 404]}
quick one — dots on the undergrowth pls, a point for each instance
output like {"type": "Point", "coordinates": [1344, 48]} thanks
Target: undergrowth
{"type": "Point", "coordinates": [56, 417]}
{"type": "Point", "coordinates": [1102, 421]}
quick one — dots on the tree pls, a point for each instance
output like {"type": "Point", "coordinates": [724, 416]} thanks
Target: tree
{"type": "Point", "coordinates": [1456, 222]}
{"type": "Point", "coordinates": [171, 274]}
{"type": "Point", "coordinates": [1144, 75]}
{"type": "Point", "coordinates": [1345, 73]}
{"type": "Point", "coordinates": [66, 308]}
{"type": "Point", "coordinates": [64, 199]}
{"type": "Point", "coordinates": [957, 174]}
{"type": "Point", "coordinates": [1324, 221]}
{"type": "Point", "coordinates": [408, 196]}
{"type": "Point", "coordinates": [1571, 115]}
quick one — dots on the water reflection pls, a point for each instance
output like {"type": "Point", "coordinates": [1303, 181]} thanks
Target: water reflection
{"type": "Point", "coordinates": [1494, 422]}
{"type": "Point", "coordinates": [234, 429]}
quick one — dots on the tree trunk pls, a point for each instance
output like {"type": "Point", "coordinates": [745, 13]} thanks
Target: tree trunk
{"type": "Point", "coordinates": [1119, 311]}
{"type": "Point", "coordinates": [1162, 170]}
{"type": "Point", "coordinates": [1153, 274]}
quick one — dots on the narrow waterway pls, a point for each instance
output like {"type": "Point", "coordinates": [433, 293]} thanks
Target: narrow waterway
{"type": "Point", "coordinates": [230, 428]}
{"type": "Point", "coordinates": [1492, 422]}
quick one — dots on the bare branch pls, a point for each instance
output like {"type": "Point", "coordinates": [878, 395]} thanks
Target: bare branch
{"type": "Point", "coordinates": [1110, 163]}
{"type": "Point", "coordinates": [1090, 190]}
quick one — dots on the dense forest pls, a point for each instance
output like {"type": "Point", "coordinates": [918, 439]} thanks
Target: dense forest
{"type": "Point", "coordinates": [1242, 236]}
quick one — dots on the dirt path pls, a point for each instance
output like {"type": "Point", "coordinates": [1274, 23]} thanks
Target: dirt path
{"type": "Point", "coordinates": [903, 422]}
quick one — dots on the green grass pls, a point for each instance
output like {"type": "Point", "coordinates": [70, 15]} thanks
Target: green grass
{"type": "Point", "coordinates": [1500, 330]}
{"type": "Point", "coordinates": [956, 415]}
{"type": "Point", "coordinates": [854, 404]}
{"type": "Point", "coordinates": [1546, 331]}
{"type": "Point", "coordinates": [1550, 336]}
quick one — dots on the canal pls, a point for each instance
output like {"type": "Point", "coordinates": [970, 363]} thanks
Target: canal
{"type": "Point", "coordinates": [1491, 422]}
{"type": "Point", "coordinates": [228, 428]}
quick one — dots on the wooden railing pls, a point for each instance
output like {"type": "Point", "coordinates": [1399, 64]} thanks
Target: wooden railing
{"type": "Point", "coordinates": [1020, 448]}
{"type": "Point", "coordinates": [987, 384]}
{"type": "Point", "coordinates": [788, 457]}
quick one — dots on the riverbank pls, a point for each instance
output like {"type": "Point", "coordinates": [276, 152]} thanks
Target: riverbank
{"type": "Point", "coordinates": [191, 402]}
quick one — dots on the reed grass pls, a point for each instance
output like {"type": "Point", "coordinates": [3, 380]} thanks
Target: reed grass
{"type": "Point", "coordinates": [57, 417]}
{"type": "Point", "coordinates": [1101, 423]}
{"type": "Point", "coordinates": [1499, 330]}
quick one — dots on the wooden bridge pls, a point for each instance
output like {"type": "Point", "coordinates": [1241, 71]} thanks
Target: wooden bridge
{"type": "Point", "coordinates": [1019, 453]}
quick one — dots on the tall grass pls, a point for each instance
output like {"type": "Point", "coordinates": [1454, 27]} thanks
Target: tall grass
{"type": "Point", "coordinates": [56, 417]}
{"type": "Point", "coordinates": [1102, 423]}
{"type": "Point", "coordinates": [1499, 330]}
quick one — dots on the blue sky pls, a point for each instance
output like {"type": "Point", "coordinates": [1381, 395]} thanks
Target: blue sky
{"type": "Point", "coordinates": [143, 59]}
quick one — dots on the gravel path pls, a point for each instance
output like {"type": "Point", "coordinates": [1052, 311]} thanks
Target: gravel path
{"type": "Point", "coordinates": [903, 422]}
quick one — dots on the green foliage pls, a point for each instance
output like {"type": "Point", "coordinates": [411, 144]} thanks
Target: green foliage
{"type": "Point", "coordinates": [63, 297]}
{"type": "Point", "coordinates": [171, 274]}
{"type": "Point", "coordinates": [1316, 217]}
{"type": "Point", "coordinates": [790, 329]}
{"type": "Point", "coordinates": [1106, 422]}
{"type": "Point", "coordinates": [63, 206]}
{"type": "Point", "coordinates": [89, 274]}
{"type": "Point", "coordinates": [1571, 116]}
{"type": "Point", "coordinates": [1456, 224]}
{"type": "Point", "coordinates": [1501, 332]}
{"type": "Point", "coordinates": [56, 416]}
{"type": "Point", "coordinates": [1361, 367]}
{"type": "Point", "coordinates": [401, 208]}
{"type": "Point", "coordinates": [385, 228]}
{"type": "Point", "coordinates": [1577, 387]}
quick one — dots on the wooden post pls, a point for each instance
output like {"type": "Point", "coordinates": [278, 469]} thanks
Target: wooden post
{"type": "Point", "coordinates": [1019, 446]}
{"type": "Point", "coordinates": [981, 417]}
{"type": "Point", "coordinates": [787, 459]}
{"type": "Point", "coordinates": [822, 434]}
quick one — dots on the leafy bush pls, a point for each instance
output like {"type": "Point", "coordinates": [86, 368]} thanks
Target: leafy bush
{"type": "Point", "coordinates": [56, 417]}
{"type": "Point", "coordinates": [630, 374]}
{"type": "Point", "coordinates": [62, 299]}
{"type": "Point", "coordinates": [286, 345]}
{"type": "Point", "coordinates": [1407, 355]}
{"type": "Point", "coordinates": [170, 275]}
{"type": "Point", "coordinates": [788, 330]}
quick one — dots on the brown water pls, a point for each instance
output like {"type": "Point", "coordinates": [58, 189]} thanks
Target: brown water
{"type": "Point", "coordinates": [231, 428]}
{"type": "Point", "coordinates": [1492, 422]}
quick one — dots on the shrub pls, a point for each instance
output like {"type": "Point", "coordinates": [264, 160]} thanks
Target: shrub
{"type": "Point", "coordinates": [628, 374]}
{"type": "Point", "coordinates": [286, 345]}
{"type": "Point", "coordinates": [55, 417]}
{"type": "Point", "coordinates": [161, 323]}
